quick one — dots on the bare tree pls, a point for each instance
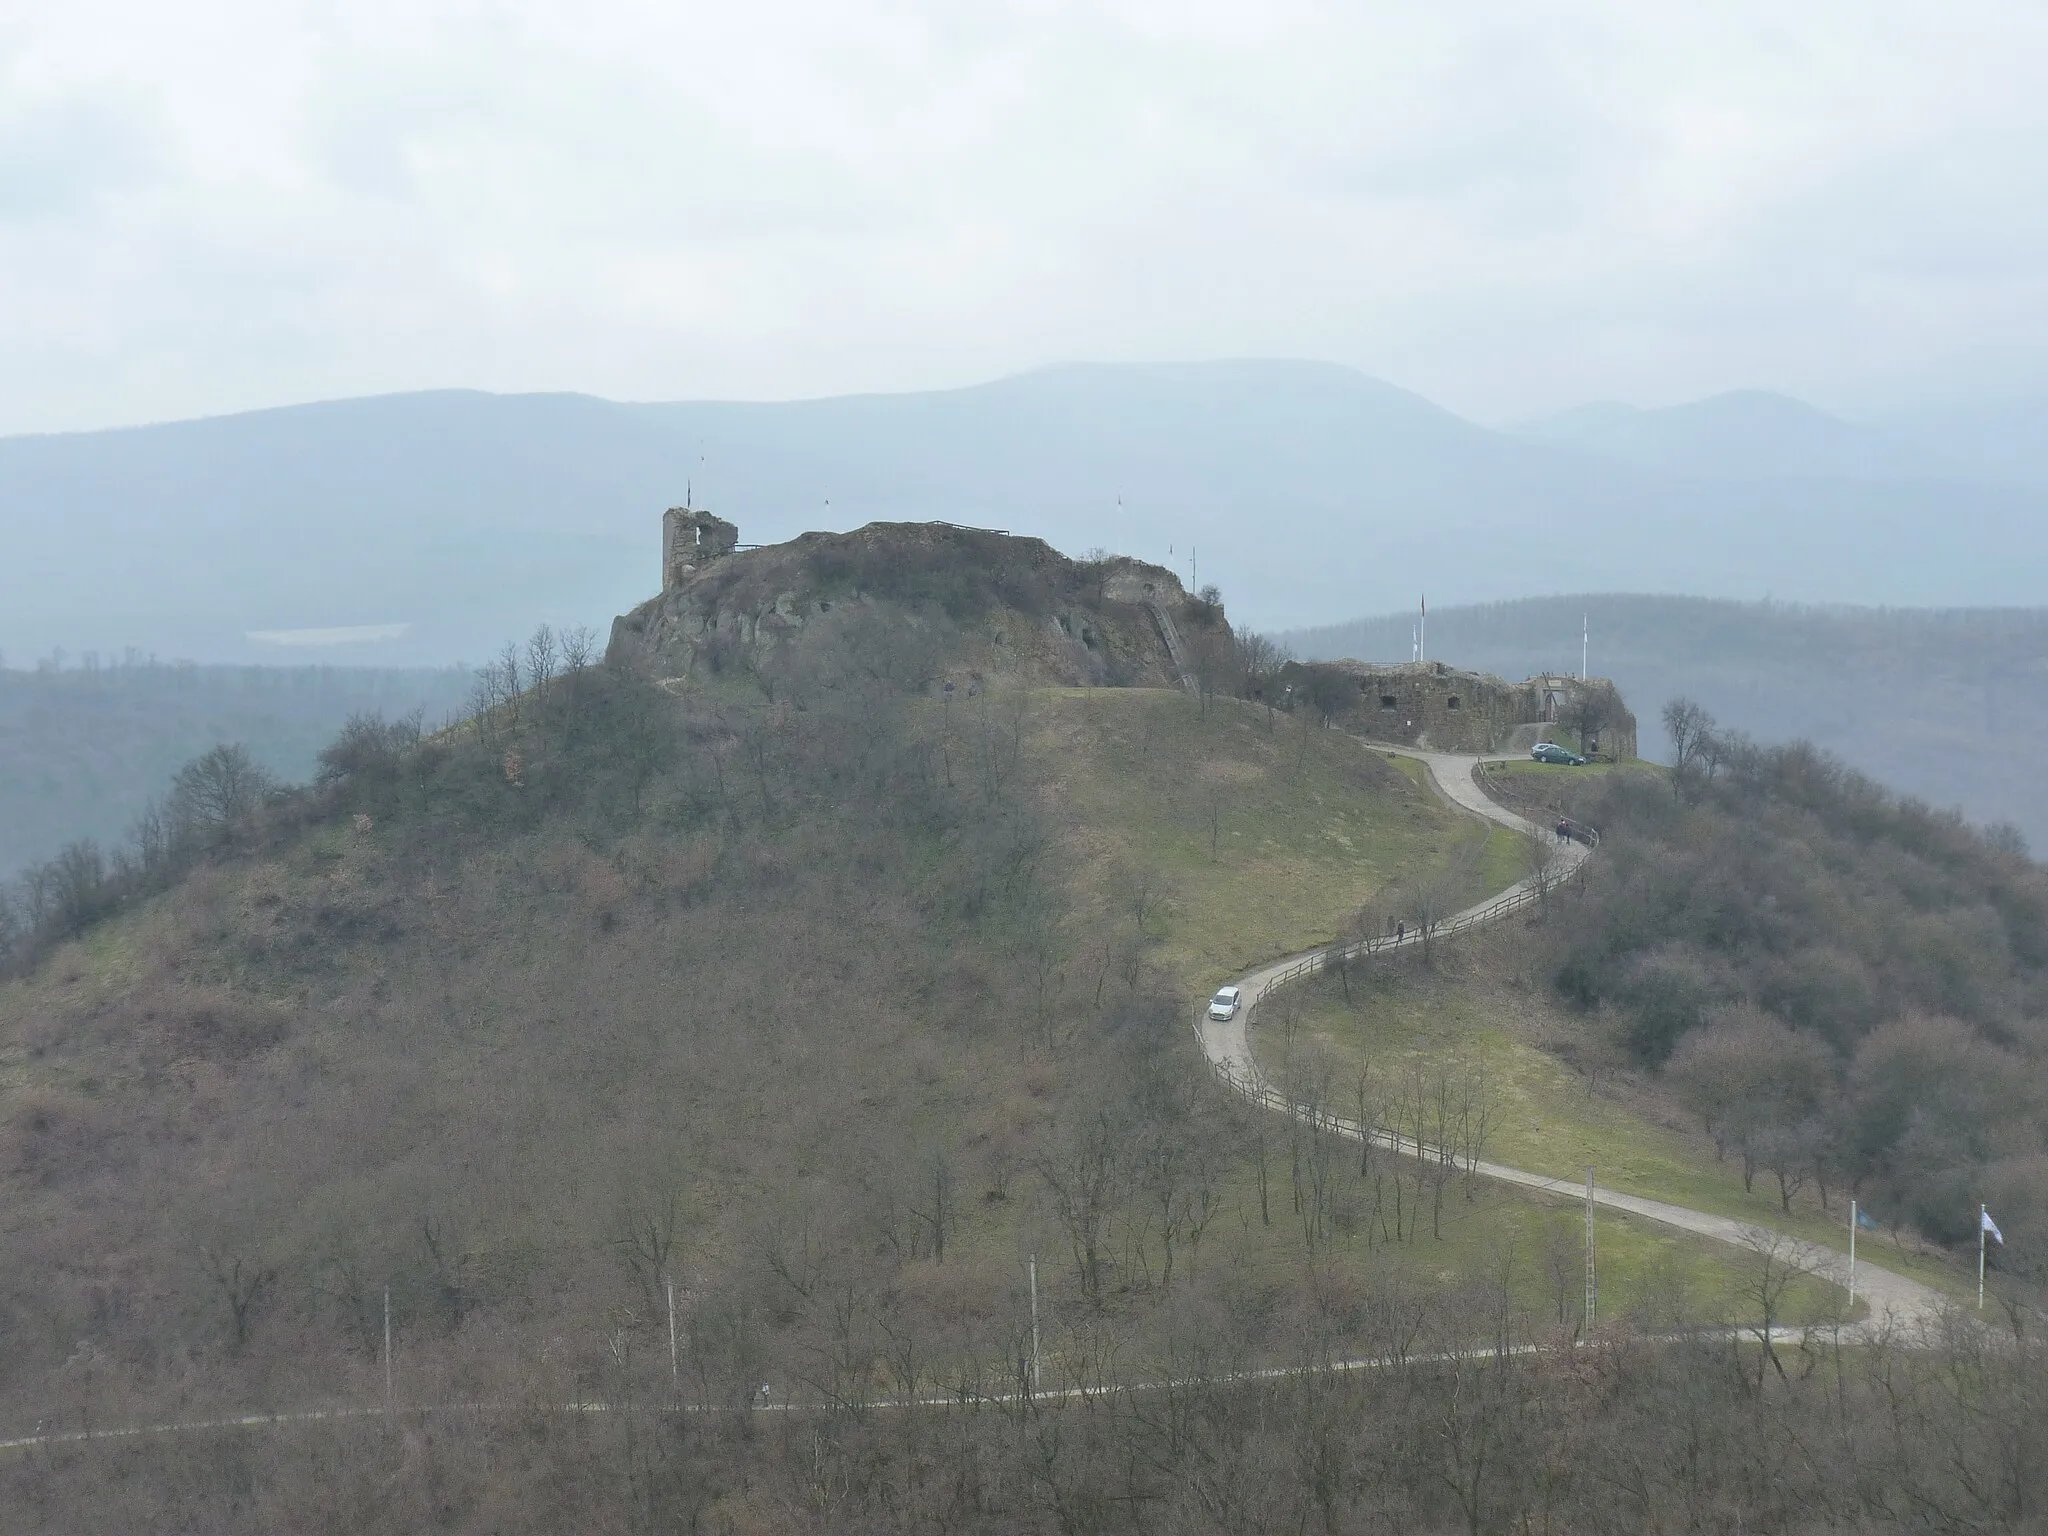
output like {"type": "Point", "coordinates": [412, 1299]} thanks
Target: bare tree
{"type": "Point", "coordinates": [1438, 893]}
{"type": "Point", "coordinates": [542, 658]}
{"type": "Point", "coordinates": [486, 693]}
{"type": "Point", "coordinates": [217, 791]}
{"type": "Point", "coordinates": [1259, 660]}
{"type": "Point", "coordinates": [647, 1233]}
{"type": "Point", "coordinates": [579, 647]}
{"type": "Point", "coordinates": [154, 837]}
{"type": "Point", "coordinates": [1329, 690]}
{"type": "Point", "coordinates": [1140, 891]}
{"type": "Point", "coordinates": [1541, 863]}
{"type": "Point", "coordinates": [1591, 709]}
{"type": "Point", "coordinates": [1476, 1109]}
{"type": "Point", "coordinates": [1337, 962]}
{"type": "Point", "coordinates": [936, 1211]}
{"type": "Point", "coordinates": [13, 935]}
{"type": "Point", "coordinates": [1564, 1266]}
{"type": "Point", "coordinates": [1688, 726]}
{"type": "Point", "coordinates": [1213, 659]}
{"type": "Point", "coordinates": [1760, 1089]}
{"type": "Point", "coordinates": [1083, 1174]}
{"type": "Point", "coordinates": [77, 887]}
{"type": "Point", "coordinates": [511, 684]}
{"type": "Point", "coordinates": [241, 1282]}
{"type": "Point", "coordinates": [1770, 1273]}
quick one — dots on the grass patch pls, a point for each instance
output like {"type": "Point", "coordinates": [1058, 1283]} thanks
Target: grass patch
{"type": "Point", "coordinates": [1563, 1099]}
{"type": "Point", "coordinates": [1263, 835]}
{"type": "Point", "coordinates": [1531, 1244]}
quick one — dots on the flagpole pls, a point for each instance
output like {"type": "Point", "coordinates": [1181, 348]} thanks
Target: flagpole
{"type": "Point", "coordinates": [1982, 1212]}
{"type": "Point", "coordinates": [1852, 1255]}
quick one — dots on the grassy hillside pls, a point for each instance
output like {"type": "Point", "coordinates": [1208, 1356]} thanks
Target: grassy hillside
{"type": "Point", "coordinates": [1253, 834]}
{"type": "Point", "coordinates": [832, 1018]}
{"type": "Point", "coordinates": [1567, 1094]}
{"type": "Point", "coordinates": [1778, 986]}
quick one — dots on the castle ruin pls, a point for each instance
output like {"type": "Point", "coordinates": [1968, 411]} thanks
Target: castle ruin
{"type": "Point", "coordinates": [1430, 705]}
{"type": "Point", "coordinates": [691, 540]}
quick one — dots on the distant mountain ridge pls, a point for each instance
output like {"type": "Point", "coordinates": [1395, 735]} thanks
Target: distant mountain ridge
{"type": "Point", "coordinates": [1744, 435]}
{"type": "Point", "coordinates": [450, 521]}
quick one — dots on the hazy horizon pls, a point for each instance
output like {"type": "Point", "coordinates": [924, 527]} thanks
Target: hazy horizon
{"type": "Point", "coordinates": [1508, 422]}
{"type": "Point", "coordinates": [2020, 395]}
{"type": "Point", "coordinates": [443, 522]}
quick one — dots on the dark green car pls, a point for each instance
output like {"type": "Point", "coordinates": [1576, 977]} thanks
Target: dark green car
{"type": "Point", "coordinates": [1551, 752]}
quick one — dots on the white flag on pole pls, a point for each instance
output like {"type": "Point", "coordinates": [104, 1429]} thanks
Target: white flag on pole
{"type": "Point", "coordinates": [1991, 1227]}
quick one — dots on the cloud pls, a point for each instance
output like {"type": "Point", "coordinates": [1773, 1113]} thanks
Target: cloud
{"type": "Point", "coordinates": [232, 203]}
{"type": "Point", "coordinates": [58, 157]}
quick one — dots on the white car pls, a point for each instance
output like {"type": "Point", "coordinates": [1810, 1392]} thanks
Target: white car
{"type": "Point", "coordinates": [1224, 1004]}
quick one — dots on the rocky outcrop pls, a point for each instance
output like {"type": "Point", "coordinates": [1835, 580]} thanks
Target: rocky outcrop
{"type": "Point", "coordinates": [921, 605]}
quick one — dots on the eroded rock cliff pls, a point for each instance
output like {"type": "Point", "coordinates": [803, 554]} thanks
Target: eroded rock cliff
{"type": "Point", "coordinates": [924, 605]}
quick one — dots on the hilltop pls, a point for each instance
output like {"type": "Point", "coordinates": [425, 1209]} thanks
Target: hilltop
{"type": "Point", "coordinates": [928, 607]}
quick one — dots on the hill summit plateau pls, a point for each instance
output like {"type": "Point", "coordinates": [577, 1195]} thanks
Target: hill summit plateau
{"type": "Point", "coordinates": [930, 607]}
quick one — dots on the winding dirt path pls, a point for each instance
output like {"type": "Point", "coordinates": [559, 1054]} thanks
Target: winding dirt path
{"type": "Point", "coordinates": [1897, 1304]}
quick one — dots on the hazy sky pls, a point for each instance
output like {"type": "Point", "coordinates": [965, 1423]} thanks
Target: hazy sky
{"type": "Point", "coordinates": [1509, 207]}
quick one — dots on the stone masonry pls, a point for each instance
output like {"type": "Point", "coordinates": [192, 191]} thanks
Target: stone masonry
{"type": "Point", "coordinates": [691, 540]}
{"type": "Point", "coordinates": [1438, 707]}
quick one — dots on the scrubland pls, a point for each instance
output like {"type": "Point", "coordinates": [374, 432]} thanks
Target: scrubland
{"type": "Point", "coordinates": [724, 1064]}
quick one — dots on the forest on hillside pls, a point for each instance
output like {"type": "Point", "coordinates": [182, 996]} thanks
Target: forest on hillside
{"type": "Point", "coordinates": [1848, 987]}
{"type": "Point", "coordinates": [85, 746]}
{"type": "Point", "coordinates": [747, 1064]}
{"type": "Point", "coordinates": [782, 1004]}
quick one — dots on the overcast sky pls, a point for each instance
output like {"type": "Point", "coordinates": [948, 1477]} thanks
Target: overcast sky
{"type": "Point", "coordinates": [1510, 207]}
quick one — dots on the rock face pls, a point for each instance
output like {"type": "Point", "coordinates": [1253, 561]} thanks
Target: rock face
{"type": "Point", "coordinates": [920, 605]}
{"type": "Point", "coordinates": [1438, 707]}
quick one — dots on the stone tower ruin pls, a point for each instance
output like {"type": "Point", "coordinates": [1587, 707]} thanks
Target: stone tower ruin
{"type": "Point", "coordinates": [691, 540]}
